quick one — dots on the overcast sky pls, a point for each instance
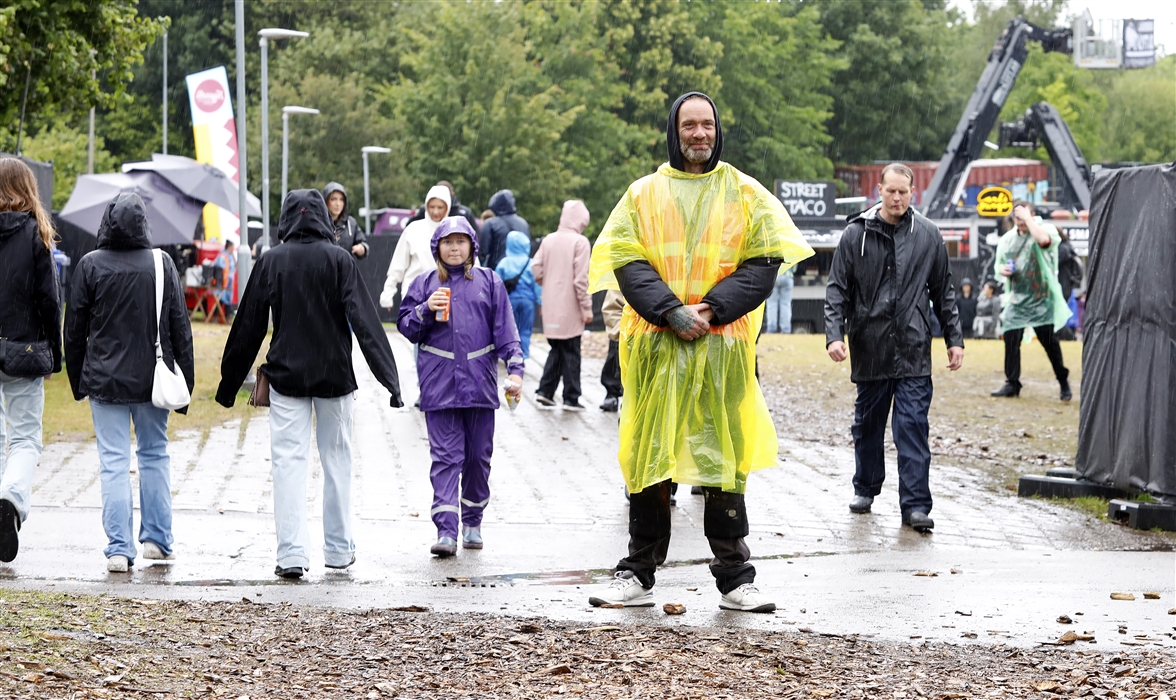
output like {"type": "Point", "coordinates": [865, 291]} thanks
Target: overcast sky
{"type": "Point", "coordinates": [1162, 11]}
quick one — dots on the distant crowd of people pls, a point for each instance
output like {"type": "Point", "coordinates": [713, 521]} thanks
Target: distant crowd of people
{"type": "Point", "coordinates": [689, 284]}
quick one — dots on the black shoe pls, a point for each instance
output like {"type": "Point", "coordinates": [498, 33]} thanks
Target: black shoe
{"type": "Point", "coordinates": [9, 526]}
{"type": "Point", "coordinates": [543, 400]}
{"type": "Point", "coordinates": [1066, 393]}
{"type": "Point", "coordinates": [861, 504]}
{"type": "Point", "coordinates": [695, 490]}
{"type": "Point", "coordinates": [918, 520]}
{"type": "Point", "coordinates": [1009, 390]}
{"type": "Point", "coordinates": [611, 404]}
{"type": "Point", "coordinates": [574, 405]}
{"type": "Point", "coordinates": [289, 571]}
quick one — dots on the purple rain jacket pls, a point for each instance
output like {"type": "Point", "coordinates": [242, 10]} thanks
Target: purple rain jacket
{"type": "Point", "coordinates": [457, 366]}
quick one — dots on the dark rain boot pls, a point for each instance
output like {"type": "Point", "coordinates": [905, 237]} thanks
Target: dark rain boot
{"type": "Point", "coordinates": [1008, 390]}
{"type": "Point", "coordinates": [1066, 394]}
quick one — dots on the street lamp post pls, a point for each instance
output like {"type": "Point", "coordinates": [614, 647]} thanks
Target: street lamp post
{"type": "Point", "coordinates": [367, 194]}
{"type": "Point", "coordinates": [266, 35]}
{"type": "Point", "coordinates": [286, 112]}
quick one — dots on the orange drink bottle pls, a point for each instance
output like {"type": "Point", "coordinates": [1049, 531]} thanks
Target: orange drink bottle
{"type": "Point", "coordinates": [443, 314]}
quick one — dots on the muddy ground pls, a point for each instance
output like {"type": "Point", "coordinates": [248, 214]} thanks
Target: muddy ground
{"type": "Point", "coordinates": [63, 646]}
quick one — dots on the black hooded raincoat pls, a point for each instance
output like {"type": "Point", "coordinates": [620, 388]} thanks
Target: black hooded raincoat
{"type": "Point", "coordinates": [30, 310]}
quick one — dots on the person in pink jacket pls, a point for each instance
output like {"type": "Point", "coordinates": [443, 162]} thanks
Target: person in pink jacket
{"type": "Point", "coordinates": [561, 267]}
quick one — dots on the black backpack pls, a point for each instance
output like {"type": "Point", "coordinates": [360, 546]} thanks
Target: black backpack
{"type": "Point", "coordinates": [513, 282]}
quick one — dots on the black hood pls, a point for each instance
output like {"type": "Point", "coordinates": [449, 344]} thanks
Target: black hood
{"type": "Point", "coordinates": [331, 188]}
{"type": "Point", "coordinates": [11, 222]}
{"type": "Point", "coordinates": [124, 224]}
{"type": "Point", "coordinates": [305, 215]}
{"type": "Point", "coordinates": [674, 145]}
{"type": "Point", "coordinates": [502, 203]}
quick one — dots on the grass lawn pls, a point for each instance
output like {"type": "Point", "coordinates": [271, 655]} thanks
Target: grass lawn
{"type": "Point", "coordinates": [66, 419]}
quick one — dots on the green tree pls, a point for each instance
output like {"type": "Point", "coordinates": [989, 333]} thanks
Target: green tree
{"type": "Point", "coordinates": [892, 101]}
{"type": "Point", "coordinates": [68, 148]}
{"type": "Point", "coordinates": [777, 68]}
{"type": "Point", "coordinates": [1139, 124]}
{"type": "Point", "coordinates": [52, 46]}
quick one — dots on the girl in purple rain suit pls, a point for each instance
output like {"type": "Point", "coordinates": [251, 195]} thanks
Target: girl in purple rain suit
{"type": "Point", "coordinates": [457, 367]}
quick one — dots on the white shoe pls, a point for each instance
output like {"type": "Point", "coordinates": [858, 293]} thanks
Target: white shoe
{"type": "Point", "coordinates": [118, 564]}
{"type": "Point", "coordinates": [747, 598]}
{"type": "Point", "coordinates": [624, 590]}
{"type": "Point", "coordinates": [152, 551]}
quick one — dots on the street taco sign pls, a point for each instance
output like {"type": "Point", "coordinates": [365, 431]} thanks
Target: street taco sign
{"type": "Point", "coordinates": [994, 201]}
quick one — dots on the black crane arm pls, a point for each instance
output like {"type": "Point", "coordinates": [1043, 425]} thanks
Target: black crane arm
{"type": "Point", "coordinates": [983, 110]}
{"type": "Point", "coordinates": [1042, 125]}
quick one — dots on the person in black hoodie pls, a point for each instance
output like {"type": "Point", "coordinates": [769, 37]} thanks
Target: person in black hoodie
{"type": "Point", "coordinates": [110, 351]}
{"type": "Point", "coordinates": [348, 234]}
{"type": "Point", "coordinates": [492, 238]}
{"type": "Point", "coordinates": [314, 290]}
{"type": "Point", "coordinates": [30, 349]}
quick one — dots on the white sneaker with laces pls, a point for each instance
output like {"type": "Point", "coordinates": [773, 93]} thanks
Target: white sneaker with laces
{"type": "Point", "coordinates": [117, 564]}
{"type": "Point", "coordinates": [747, 598]}
{"type": "Point", "coordinates": [152, 551]}
{"type": "Point", "coordinates": [624, 590]}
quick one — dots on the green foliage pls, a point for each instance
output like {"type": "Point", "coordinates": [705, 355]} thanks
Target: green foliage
{"type": "Point", "coordinates": [54, 45]}
{"type": "Point", "coordinates": [1139, 124]}
{"type": "Point", "coordinates": [68, 148]}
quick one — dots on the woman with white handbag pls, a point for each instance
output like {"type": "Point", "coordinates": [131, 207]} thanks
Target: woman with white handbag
{"type": "Point", "coordinates": [128, 347]}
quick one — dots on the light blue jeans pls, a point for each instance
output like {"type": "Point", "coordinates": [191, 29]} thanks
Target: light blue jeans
{"type": "Point", "coordinates": [112, 426]}
{"type": "Point", "coordinates": [290, 429]}
{"type": "Point", "coordinates": [22, 401]}
{"type": "Point", "coordinates": [779, 310]}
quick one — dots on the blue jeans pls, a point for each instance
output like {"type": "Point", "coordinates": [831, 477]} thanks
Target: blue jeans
{"type": "Point", "coordinates": [911, 398]}
{"type": "Point", "coordinates": [112, 426]}
{"type": "Point", "coordinates": [779, 312]}
{"type": "Point", "coordinates": [524, 316]}
{"type": "Point", "coordinates": [22, 401]}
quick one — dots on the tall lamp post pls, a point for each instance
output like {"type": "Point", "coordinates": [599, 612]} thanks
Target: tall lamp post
{"type": "Point", "coordinates": [286, 112]}
{"type": "Point", "coordinates": [367, 192]}
{"type": "Point", "coordinates": [244, 259]}
{"type": "Point", "coordinates": [266, 35]}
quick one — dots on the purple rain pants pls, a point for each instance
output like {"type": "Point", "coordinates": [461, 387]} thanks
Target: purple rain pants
{"type": "Point", "coordinates": [461, 441]}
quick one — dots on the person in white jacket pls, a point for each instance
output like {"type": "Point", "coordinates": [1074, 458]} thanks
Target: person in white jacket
{"type": "Point", "coordinates": [413, 255]}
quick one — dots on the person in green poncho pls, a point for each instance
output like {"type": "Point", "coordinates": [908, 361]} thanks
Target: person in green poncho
{"type": "Point", "coordinates": [695, 248]}
{"type": "Point", "coordinates": [1027, 257]}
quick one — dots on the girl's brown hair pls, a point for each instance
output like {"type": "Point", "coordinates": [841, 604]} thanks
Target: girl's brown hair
{"type": "Point", "coordinates": [18, 192]}
{"type": "Point", "coordinates": [443, 272]}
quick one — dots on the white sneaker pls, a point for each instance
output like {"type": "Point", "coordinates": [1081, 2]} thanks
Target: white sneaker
{"type": "Point", "coordinates": [747, 598]}
{"type": "Point", "coordinates": [152, 551]}
{"type": "Point", "coordinates": [624, 590]}
{"type": "Point", "coordinates": [118, 564]}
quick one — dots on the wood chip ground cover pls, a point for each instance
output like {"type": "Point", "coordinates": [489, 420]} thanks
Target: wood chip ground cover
{"type": "Point", "coordinates": [62, 646]}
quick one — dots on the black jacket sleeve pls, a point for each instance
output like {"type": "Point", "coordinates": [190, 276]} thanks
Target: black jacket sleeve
{"type": "Point", "coordinates": [47, 296]}
{"type": "Point", "coordinates": [740, 292]}
{"type": "Point", "coordinates": [246, 336]}
{"type": "Point", "coordinates": [179, 327]}
{"type": "Point", "coordinates": [646, 292]}
{"type": "Point", "coordinates": [839, 292]}
{"type": "Point", "coordinates": [77, 326]}
{"type": "Point", "coordinates": [365, 323]}
{"type": "Point", "coordinates": [358, 235]}
{"type": "Point", "coordinates": [485, 238]}
{"type": "Point", "coordinates": [943, 300]}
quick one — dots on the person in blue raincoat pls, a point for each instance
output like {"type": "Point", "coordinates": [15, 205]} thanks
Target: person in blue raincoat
{"type": "Point", "coordinates": [457, 368]}
{"type": "Point", "coordinates": [516, 274]}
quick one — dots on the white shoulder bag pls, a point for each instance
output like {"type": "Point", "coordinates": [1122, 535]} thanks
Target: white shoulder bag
{"type": "Point", "coordinates": [169, 389]}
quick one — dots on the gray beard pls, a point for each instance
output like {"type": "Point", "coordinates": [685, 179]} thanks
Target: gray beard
{"type": "Point", "coordinates": [697, 154]}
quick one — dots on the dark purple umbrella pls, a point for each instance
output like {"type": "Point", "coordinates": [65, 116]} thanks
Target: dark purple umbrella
{"type": "Point", "coordinates": [200, 181]}
{"type": "Point", "coordinates": [171, 213]}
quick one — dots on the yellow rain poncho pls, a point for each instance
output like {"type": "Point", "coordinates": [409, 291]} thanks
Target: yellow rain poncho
{"type": "Point", "coordinates": [693, 411]}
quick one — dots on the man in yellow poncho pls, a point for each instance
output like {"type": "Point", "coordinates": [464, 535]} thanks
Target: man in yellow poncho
{"type": "Point", "coordinates": [695, 248]}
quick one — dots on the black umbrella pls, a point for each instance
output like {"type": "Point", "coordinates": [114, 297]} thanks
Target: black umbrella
{"type": "Point", "coordinates": [200, 181]}
{"type": "Point", "coordinates": [171, 213]}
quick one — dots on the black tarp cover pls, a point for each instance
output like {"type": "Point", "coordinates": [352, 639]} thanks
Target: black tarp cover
{"type": "Point", "coordinates": [1127, 423]}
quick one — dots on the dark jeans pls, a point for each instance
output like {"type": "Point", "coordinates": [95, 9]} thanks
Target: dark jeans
{"type": "Point", "coordinates": [562, 362]}
{"type": "Point", "coordinates": [610, 376]}
{"type": "Point", "coordinates": [911, 398]}
{"type": "Point", "coordinates": [724, 522]}
{"type": "Point", "coordinates": [1049, 341]}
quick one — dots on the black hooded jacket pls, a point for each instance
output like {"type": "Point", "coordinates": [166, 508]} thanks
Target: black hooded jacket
{"type": "Point", "coordinates": [492, 239]}
{"type": "Point", "coordinates": [734, 296]}
{"type": "Point", "coordinates": [882, 285]}
{"type": "Point", "coordinates": [110, 319]}
{"type": "Point", "coordinates": [30, 307]}
{"type": "Point", "coordinates": [347, 231]}
{"type": "Point", "coordinates": [314, 289]}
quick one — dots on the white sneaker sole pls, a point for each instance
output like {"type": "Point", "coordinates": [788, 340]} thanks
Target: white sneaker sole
{"type": "Point", "coordinates": [762, 608]}
{"type": "Point", "coordinates": [638, 603]}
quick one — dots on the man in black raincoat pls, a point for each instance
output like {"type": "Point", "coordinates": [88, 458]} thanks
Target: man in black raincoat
{"type": "Point", "coordinates": [889, 270]}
